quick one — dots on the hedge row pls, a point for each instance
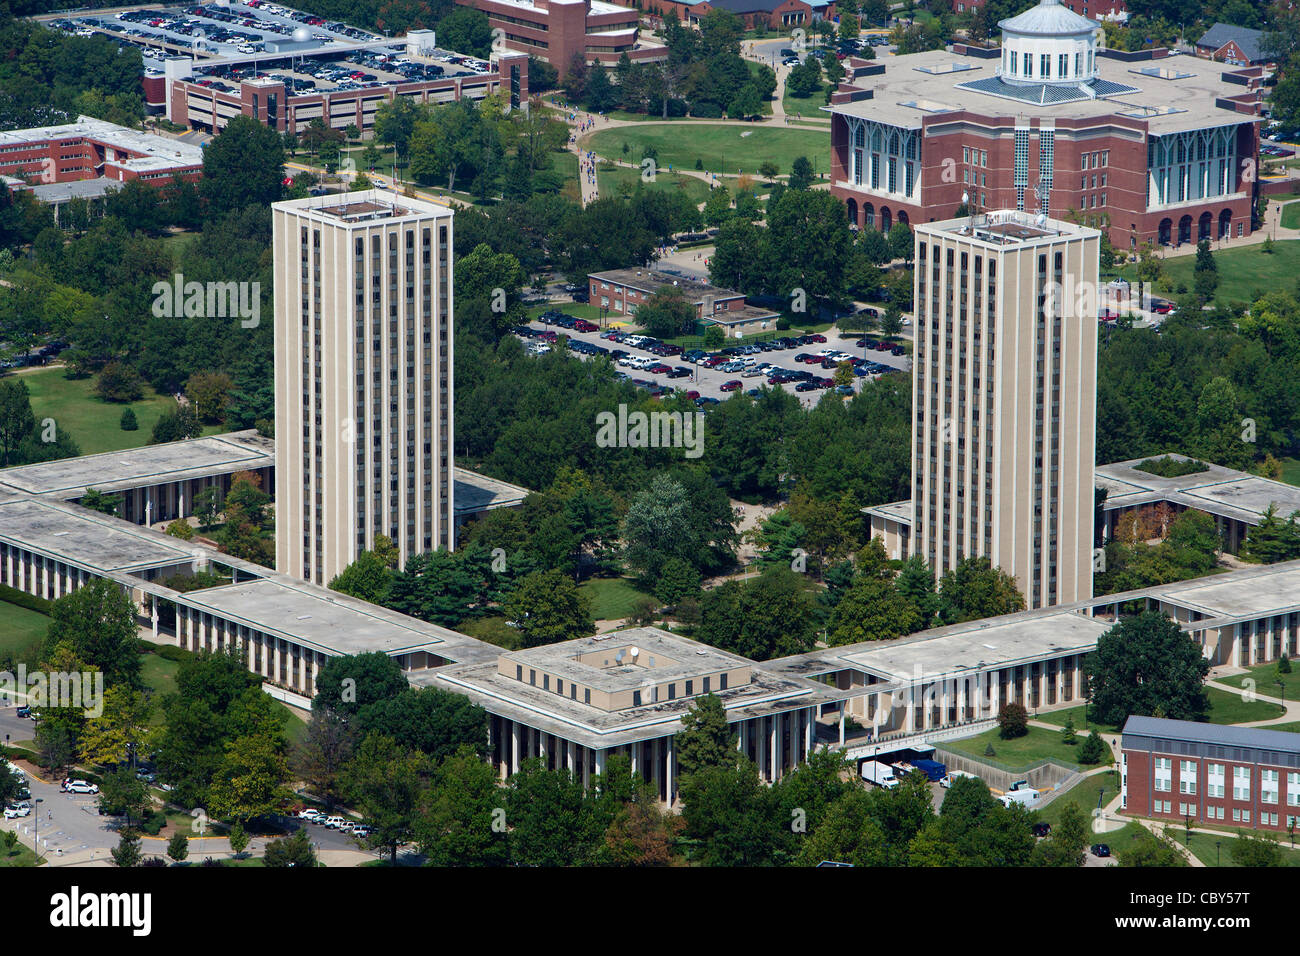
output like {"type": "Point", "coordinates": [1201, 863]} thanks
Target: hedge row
{"type": "Point", "coordinates": [23, 599]}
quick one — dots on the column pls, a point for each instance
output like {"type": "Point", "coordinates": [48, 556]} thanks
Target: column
{"type": "Point", "coordinates": [586, 767]}
{"type": "Point", "coordinates": [153, 614]}
{"type": "Point", "coordinates": [807, 735]}
{"type": "Point", "coordinates": [773, 764]}
{"type": "Point", "coordinates": [995, 691]}
{"type": "Point", "coordinates": [600, 760]}
{"type": "Point", "coordinates": [911, 708]}
{"type": "Point", "coordinates": [670, 776]}
{"type": "Point", "coordinates": [570, 763]}
{"type": "Point", "coordinates": [963, 690]}
{"type": "Point", "coordinates": [943, 703]}
{"type": "Point", "coordinates": [656, 755]}
{"type": "Point", "coordinates": [635, 754]}
{"type": "Point", "coordinates": [514, 746]}
{"type": "Point", "coordinates": [275, 660]}
{"type": "Point", "coordinates": [541, 747]}
{"type": "Point", "coordinates": [842, 713]}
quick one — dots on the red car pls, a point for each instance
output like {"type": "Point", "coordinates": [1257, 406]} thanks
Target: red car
{"type": "Point", "coordinates": [582, 325]}
{"type": "Point", "coordinates": [817, 337]}
{"type": "Point", "coordinates": [658, 369]}
{"type": "Point", "coordinates": [692, 394]}
{"type": "Point", "coordinates": [1164, 308]}
{"type": "Point", "coordinates": [732, 386]}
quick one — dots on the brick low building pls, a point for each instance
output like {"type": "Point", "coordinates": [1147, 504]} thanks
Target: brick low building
{"type": "Point", "coordinates": [1154, 149]}
{"type": "Point", "coordinates": [623, 291]}
{"type": "Point", "coordinates": [92, 149]}
{"type": "Point", "coordinates": [1210, 774]}
{"type": "Point", "coordinates": [771, 14]}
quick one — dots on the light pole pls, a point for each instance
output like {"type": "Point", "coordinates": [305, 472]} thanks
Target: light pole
{"type": "Point", "coordinates": [36, 832]}
{"type": "Point", "coordinates": [1217, 844]}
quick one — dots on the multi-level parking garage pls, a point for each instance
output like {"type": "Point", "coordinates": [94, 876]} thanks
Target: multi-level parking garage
{"type": "Point", "coordinates": [205, 64]}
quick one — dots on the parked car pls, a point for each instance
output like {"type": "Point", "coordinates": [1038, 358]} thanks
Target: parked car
{"type": "Point", "coordinates": [1100, 850]}
{"type": "Point", "coordinates": [730, 386]}
{"type": "Point", "coordinates": [308, 814]}
{"type": "Point", "coordinates": [79, 786]}
{"type": "Point", "coordinates": [1042, 829]}
{"type": "Point", "coordinates": [335, 822]}
{"type": "Point", "coordinates": [24, 711]}
{"type": "Point", "coordinates": [17, 810]}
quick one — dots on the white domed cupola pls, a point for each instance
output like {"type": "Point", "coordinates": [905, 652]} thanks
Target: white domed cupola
{"type": "Point", "coordinates": [1048, 44]}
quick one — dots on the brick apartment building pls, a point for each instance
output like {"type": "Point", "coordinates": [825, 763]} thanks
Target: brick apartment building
{"type": "Point", "coordinates": [1098, 9]}
{"type": "Point", "coordinates": [1152, 148]}
{"type": "Point", "coordinates": [559, 30]}
{"type": "Point", "coordinates": [1218, 775]}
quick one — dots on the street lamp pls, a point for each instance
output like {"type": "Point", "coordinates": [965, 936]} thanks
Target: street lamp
{"type": "Point", "coordinates": [36, 832]}
{"type": "Point", "coordinates": [1217, 844]}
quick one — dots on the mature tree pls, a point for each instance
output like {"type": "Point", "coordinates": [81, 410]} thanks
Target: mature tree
{"type": "Point", "coordinates": [250, 782]}
{"type": "Point", "coordinates": [666, 313]}
{"type": "Point", "coordinates": [243, 166]}
{"type": "Point", "coordinates": [706, 739]}
{"type": "Point", "coordinates": [387, 784]}
{"type": "Point", "coordinates": [975, 589]}
{"type": "Point", "coordinates": [436, 722]}
{"type": "Point", "coordinates": [294, 850]}
{"type": "Point", "coordinates": [734, 816]}
{"type": "Point", "coordinates": [16, 418]}
{"type": "Point", "coordinates": [121, 792]}
{"type": "Point", "coordinates": [1146, 665]}
{"type": "Point", "coordinates": [444, 587]}
{"type": "Point", "coordinates": [97, 621]}
{"type": "Point", "coordinates": [848, 833]}
{"type": "Point", "coordinates": [122, 732]}
{"type": "Point", "coordinates": [873, 609]}
{"type": "Point", "coordinates": [350, 682]}
{"type": "Point", "coordinates": [547, 607]}
{"type": "Point", "coordinates": [773, 615]}
{"type": "Point", "coordinates": [96, 500]}
{"type": "Point", "coordinates": [324, 751]}
{"type": "Point", "coordinates": [178, 847]}
{"type": "Point", "coordinates": [810, 241]}
{"type": "Point", "coordinates": [1067, 845]}
{"type": "Point", "coordinates": [368, 578]}
{"type": "Point", "coordinates": [455, 827]}
{"type": "Point", "coordinates": [1256, 848]}
{"type": "Point", "coordinates": [176, 425]}
{"type": "Point", "coordinates": [1013, 721]}
{"type": "Point", "coordinates": [1274, 538]}
{"type": "Point", "coordinates": [1147, 849]}
{"type": "Point", "coordinates": [550, 819]}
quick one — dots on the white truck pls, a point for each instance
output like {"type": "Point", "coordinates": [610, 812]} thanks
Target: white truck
{"type": "Point", "coordinates": [881, 774]}
{"type": "Point", "coordinates": [1025, 796]}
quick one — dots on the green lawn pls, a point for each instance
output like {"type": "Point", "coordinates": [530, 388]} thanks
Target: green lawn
{"type": "Point", "coordinates": [1058, 717]}
{"type": "Point", "coordinates": [94, 424]}
{"type": "Point", "coordinates": [1203, 846]}
{"type": "Point", "coordinates": [1038, 744]}
{"type": "Point", "coordinates": [726, 148]}
{"type": "Point", "coordinates": [1291, 216]}
{"type": "Point", "coordinates": [1229, 708]}
{"type": "Point", "coordinates": [20, 856]}
{"type": "Point", "coordinates": [1291, 471]}
{"type": "Point", "coordinates": [1265, 678]}
{"type": "Point", "coordinates": [624, 181]}
{"type": "Point", "coordinates": [611, 598]}
{"type": "Point", "coordinates": [1082, 795]}
{"type": "Point", "coordinates": [1291, 728]}
{"type": "Point", "coordinates": [1225, 708]}
{"type": "Point", "coordinates": [159, 676]}
{"type": "Point", "coordinates": [806, 106]}
{"type": "Point", "coordinates": [1244, 272]}
{"type": "Point", "coordinates": [19, 627]}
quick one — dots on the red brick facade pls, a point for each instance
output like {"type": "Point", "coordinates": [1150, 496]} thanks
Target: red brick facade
{"type": "Point", "coordinates": [559, 30]}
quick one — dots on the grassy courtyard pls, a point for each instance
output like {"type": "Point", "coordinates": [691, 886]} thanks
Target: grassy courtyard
{"type": "Point", "coordinates": [20, 628]}
{"type": "Point", "coordinates": [1265, 677]}
{"type": "Point", "coordinates": [1038, 744]}
{"type": "Point", "coordinates": [1244, 272]}
{"type": "Point", "coordinates": [93, 423]}
{"type": "Point", "coordinates": [1084, 796]}
{"type": "Point", "coordinates": [611, 598]}
{"type": "Point", "coordinates": [624, 181]}
{"type": "Point", "coordinates": [1229, 708]}
{"type": "Point", "coordinates": [726, 148]}
{"type": "Point", "coordinates": [1203, 847]}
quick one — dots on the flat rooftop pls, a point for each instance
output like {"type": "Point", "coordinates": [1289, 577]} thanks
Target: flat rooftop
{"type": "Point", "coordinates": [1158, 729]}
{"type": "Point", "coordinates": [1246, 593]}
{"type": "Point", "coordinates": [92, 540]}
{"type": "Point", "coordinates": [652, 280]}
{"type": "Point", "coordinates": [147, 465]}
{"type": "Point", "coordinates": [766, 693]}
{"type": "Point", "coordinates": [1003, 228]}
{"type": "Point", "coordinates": [364, 207]}
{"type": "Point", "coordinates": [326, 620]}
{"type": "Point", "coordinates": [609, 665]}
{"type": "Point", "coordinates": [894, 511]}
{"type": "Point", "coordinates": [1217, 490]}
{"type": "Point", "coordinates": [1167, 105]}
{"type": "Point", "coordinates": [474, 493]}
{"type": "Point", "coordinates": [158, 152]}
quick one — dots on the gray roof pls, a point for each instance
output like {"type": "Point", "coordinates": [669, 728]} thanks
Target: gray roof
{"type": "Point", "coordinates": [1221, 491]}
{"type": "Point", "coordinates": [1223, 33]}
{"type": "Point", "coordinates": [1047, 94]}
{"type": "Point", "coordinates": [1048, 18]}
{"type": "Point", "coordinates": [475, 493]}
{"type": "Point", "coordinates": [1188, 731]}
{"type": "Point", "coordinates": [95, 541]}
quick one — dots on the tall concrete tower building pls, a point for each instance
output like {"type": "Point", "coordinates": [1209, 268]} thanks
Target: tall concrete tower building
{"type": "Point", "coordinates": [363, 378]}
{"type": "Point", "coordinates": [1004, 398]}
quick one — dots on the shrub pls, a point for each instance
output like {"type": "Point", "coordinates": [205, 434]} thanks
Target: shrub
{"type": "Point", "coordinates": [1068, 736]}
{"type": "Point", "coordinates": [119, 382]}
{"type": "Point", "coordinates": [1013, 721]}
{"type": "Point", "coordinates": [1283, 665]}
{"type": "Point", "coordinates": [989, 751]}
{"type": "Point", "coordinates": [170, 652]}
{"type": "Point", "coordinates": [153, 861]}
{"type": "Point", "coordinates": [1093, 749]}
{"type": "Point", "coordinates": [180, 528]}
{"type": "Point", "coordinates": [128, 422]}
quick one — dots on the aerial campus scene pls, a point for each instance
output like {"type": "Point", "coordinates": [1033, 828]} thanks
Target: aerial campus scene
{"type": "Point", "coordinates": [734, 433]}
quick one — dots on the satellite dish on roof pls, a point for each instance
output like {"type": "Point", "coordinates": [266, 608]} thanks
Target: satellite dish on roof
{"type": "Point", "coordinates": [1041, 220]}
{"type": "Point", "coordinates": [635, 652]}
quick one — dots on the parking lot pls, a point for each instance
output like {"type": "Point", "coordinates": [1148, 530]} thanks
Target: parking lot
{"type": "Point", "coordinates": [678, 373]}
